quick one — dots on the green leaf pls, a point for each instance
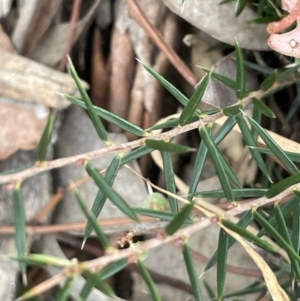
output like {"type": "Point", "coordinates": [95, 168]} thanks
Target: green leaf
{"type": "Point", "coordinates": [172, 89]}
{"type": "Point", "coordinates": [238, 193]}
{"type": "Point", "coordinates": [232, 110]}
{"type": "Point", "coordinates": [248, 235]}
{"type": "Point", "coordinates": [295, 157]}
{"type": "Point", "coordinates": [269, 81]}
{"type": "Point", "coordinates": [113, 268]}
{"type": "Point", "coordinates": [110, 192]}
{"type": "Point", "coordinates": [210, 290]}
{"type": "Point", "coordinates": [223, 79]}
{"type": "Point", "coordinates": [287, 73]}
{"type": "Point", "coordinates": [169, 180]}
{"type": "Point", "coordinates": [147, 277]}
{"type": "Point", "coordinates": [107, 272]}
{"type": "Point", "coordinates": [239, 7]}
{"type": "Point", "coordinates": [167, 216]}
{"type": "Point", "coordinates": [99, 283]}
{"type": "Point", "coordinates": [20, 228]}
{"type": "Point", "coordinates": [190, 266]}
{"type": "Point", "coordinates": [179, 219]}
{"type": "Point", "coordinates": [42, 260]}
{"type": "Point", "coordinates": [243, 222]}
{"type": "Point", "coordinates": [135, 154]}
{"type": "Point", "coordinates": [46, 138]}
{"type": "Point", "coordinates": [246, 133]}
{"type": "Point", "coordinates": [100, 199]}
{"type": "Point", "coordinates": [240, 73]}
{"type": "Point", "coordinates": [274, 233]}
{"type": "Point", "coordinates": [274, 147]}
{"type": "Point", "coordinates": [263, 108]}
{"type": "Point", "coordinates": [257, 117]}
{"type": "Point", "coordinates": [65, 291]}
{"type": "Point", "coordinates": [112, 118]}
{"type": "Point", "coordinates": [295, 237]}
{"type": "Point", "coordinates": [285, 234]}
{"type": "Point", "coordinates": [91, 111]}
{"type": "Point", "coordinates": [246, 291]}
{"type": "Point", "coordinates": [286, 209]}
{"type": "Point", "coordinates": [282, 185]}
{"type": "Point", "coordinates": [197, 170]}
{"type": "Point", "coordinates": [228, 170]}
{"type": "Point", "coordinates": [215, 156]}
{"type": "Point", "coordinates": [92, 219]}
{"type": "Point", "coordinates": [194, 101]}
{"type": "Point", "coordinates": [167, 146]}
{"type": "Point", "coordinates": [259, 68]}
{"type": "Point", "coordinates": [221, 262]}
{"type": "Point", "coordinates": [224, 129]}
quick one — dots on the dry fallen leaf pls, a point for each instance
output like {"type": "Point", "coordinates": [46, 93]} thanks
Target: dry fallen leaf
{"type": "Point", "coordinates": [276, 291]}
{"type": "Point", "coordinates": [5, 42]}
{"type": "Point", "coordinates": [27, 81]}
{"type": "Point", "coordinates": [220, 22]}
{"type": "Point", "coordinates": [34, 19]}
{"type": "Point", "coordinates": [52, 45]}
{"type": "Point", "coordinates": [21, 126]}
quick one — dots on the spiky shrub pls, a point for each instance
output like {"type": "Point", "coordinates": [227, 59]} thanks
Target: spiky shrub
{"type": "Point", "coordinates": [278, 234]}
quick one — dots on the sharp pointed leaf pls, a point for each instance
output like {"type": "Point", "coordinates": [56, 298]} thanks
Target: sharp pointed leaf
{"type": "Point", "coordinates": [250, 142]}
{"type": "Point", "coordinates": [65, 291]}
{"type": "Point", "coordinates": [92, 113]}
{"type": "Point", "coordinates": [274, 233]}
{"type": "Point", "coordinates": [101, 197]}
{"type": "Point", "coordinates": [172, 89]}
{"type": "Point", "coordinates": [283, 230]}
{"type": "Point", "coordinates": [232, 110]}
{"type": "Point", "coordinates": [274, 147]}
{"type": "Point", "coordinates": [110, 192]}
{"type": "Point", "coordinates": [147, 278]}
{"type": "Point", "coordinates": [20, 228]}
{"type": "Point", "coordinates": [225, 128]}
{"type": "Point", "coordinates": [243, 222]}
{"type": "Point", "coordinates": [238, 193]}
{"type": "Point", "coordinates": [282, 185]}
{"type": "Point", "coordinates": [170, 180]}
{"type": "Point", "coordinates": [269, 81]}
{"type": "Point", "coordinates": [179, 219]}
{"type": "Point", "coordinates": [239, 7]}
{"type": "Point", "coordinates": [112, 118]}
{"type": "Point", "coordinates": [215, 156]}
{"type": "Point", "coordinates": [167, 216]}
{"type": "Point", "coordinates": [92, 219]}
{"type": "Point", "coordinates": [167, 146]}
{"type": "Point", "coordinates": [46, 138]}
{"type": "Point", "coordinates": [240, 73]}
{"type": "Point", "coordinates": [248, 235]}
{"type": "Point", "coordinates": [223, 79]}
{"type": "Point", "coordinates": [194, 101]}
{"type": "Point", "coordinates": [197, 170]}
{"type": "Point", "coordinates": [221, 262]}
{"type": "Point", "coordinates": [190, 266]}
{"type": "Point", "coordinates": [99, 283]}
{"type": "Point", "coordinates": [263, 108]}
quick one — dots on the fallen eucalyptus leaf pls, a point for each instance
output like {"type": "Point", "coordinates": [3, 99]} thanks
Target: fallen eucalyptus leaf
{"type": "Point", "coordinates": [27, 81]}
{"type": "Point", "coordinates": [220, 22]}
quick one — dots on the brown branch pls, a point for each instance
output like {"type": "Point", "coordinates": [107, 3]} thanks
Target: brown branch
{"type": "Point", "coordinates": [50, 229]}
{"type": "Point", "coordinates": [48, 165]}
{"type": "Point", "coordinates": [138, 16]}
{"type": "Point", "coordinates": [74, 18]}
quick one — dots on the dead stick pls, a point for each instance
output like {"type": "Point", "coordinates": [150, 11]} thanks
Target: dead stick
{"type": "Point", "coordinates": [138, 16]}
